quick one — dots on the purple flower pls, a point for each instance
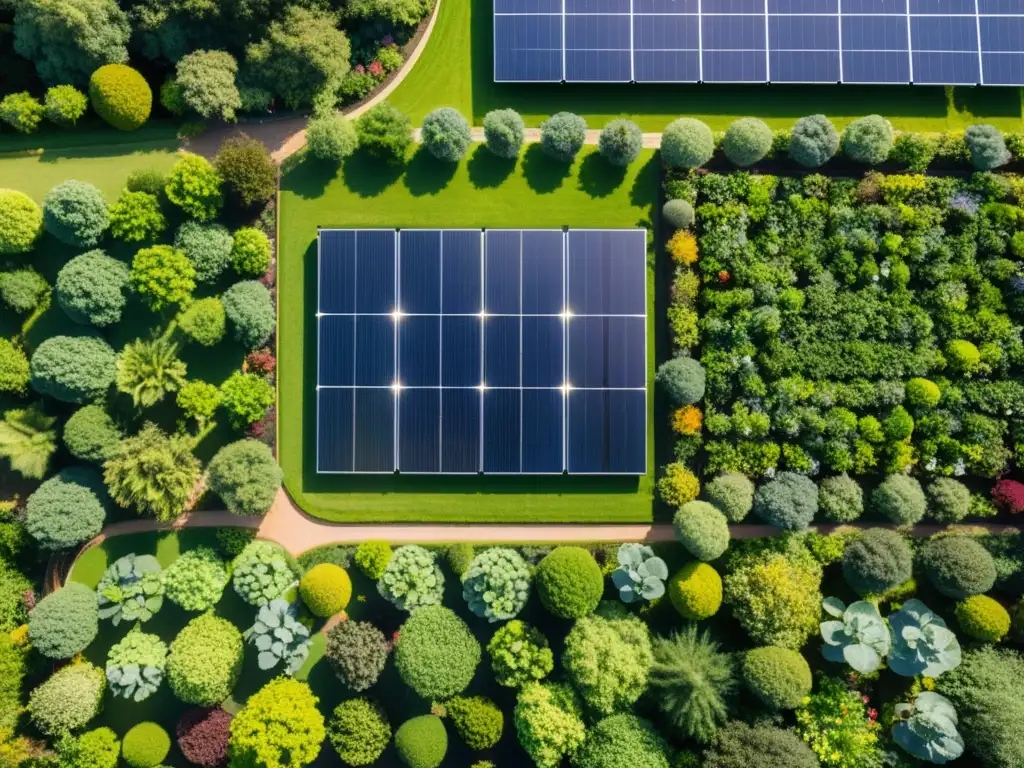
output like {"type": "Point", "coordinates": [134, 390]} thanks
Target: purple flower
{"type": "Point", "coordinates": [965, 202]}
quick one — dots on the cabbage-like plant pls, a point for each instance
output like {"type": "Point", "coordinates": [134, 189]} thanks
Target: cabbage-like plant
{"type": "Point", "coordinates": [496, 584]}
{"type": "Point", "coordinates": [640, 575]}
{"type": "Point", "coordinates": [412, 579]}
{"type": "Point", "coordinates": [132, 589]}
{"type": "Point", "coordinates": [135, 666]}
{"type": "Point", "coordinates": [279, 637]}
{"type": "Point", "coordinates": [262, 572]}
{"type": "Point", "coordinates": [858, 634]}
{"type": "Point", "coordinates": [927, 729]}
{"type": "Point", "coordinates": [921, 642]}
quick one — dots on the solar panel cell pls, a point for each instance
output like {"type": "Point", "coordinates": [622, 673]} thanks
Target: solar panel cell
{"type": "Point", "coordinates": [804, 66]}
{"type": "Point", "coordinates": [502, 266]}
{"type": "Point", "coordinates": [528, 6]}
{"type": "Point", "coordinates": [375, 351]}
{"type": "Point", "coordinates": [460, 351]}
{"type": "Point", "coordinates": [606, 352]}
{"type": "Point", "coordinates": [501, 352]}
{"type": "Point", "coordinates": [336, 361]}
{"type": "Point", "coordinates": [597, 6]}
{"type": "Point", "coordinates": [502, 437]}
{"type": "Point", "coordinates": [419, 351]}
{"type": "Point", "coordinates": [542, 431]}
{"type": "Point", "coordinates": [666, 66]}
{"type": "Point", "coordinates": [528, 48]}
{"type": "Point", "coordinates": [665, 6]}
{"type": "Point", "coordinates": [543, 345]}
{"type": "Point", "coordinates": [374, 445]}
{"type": "Point", "coordinates": [460, 430]}
{"type": "Point", "coordinates": [334, 430]}
{"type": "Point", "coordinates": [419, 427]}
{"type": "Point", "coordinates": [337, 271]}
{"type": "Point", "coordinates": [461, 273]}
{"type": "Point", "coordinates": [542, 273]}
{"type": "Point", "coordinates": [420, 268]}
{"type": "Point", "coordinates": [375, 271]}
{"type": "Point", "coordinates": [606, 272]}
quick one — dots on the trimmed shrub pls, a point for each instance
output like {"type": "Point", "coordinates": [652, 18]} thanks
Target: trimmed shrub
{"type": "Point", "coordinates": [14, 368]}
{"type": "Point", "coordinates": [250, 254]}
{"type": "Point", "coordinates": [194, 185]}
{"type": "Point", "coordinates": [739, 745]}
{"type": "Point", "coordinates": [678, 485]}
{"type": "Point", "coordinates": [436, 654]}
{"type": "Point", "coordinates": [162, 276]}
{"type": "Point", "coordinates": [695, 591]}
{"type": "Point", "coordinates": [64, 622]}
{"type": "Point", "coordinates": [22, 111]}
{"type": "Point", "coordinates": [196, 580]}
{"type": "Point", "coordinates": [263, 571]}
{"type": "Point", "coordinates": [23, 289]}
{"type": "Point", "coordinates": [205, 661]}
{"type": "Point", "coordinates": [136, 217]}
{"type": "Point", "coordinates": [868, 140]}
{"type": "Point", "coordinates": [569, 582]}
{"type": "Point", "coordinates": [445, 134]}
{"type": "Point", "coordinates": [813, 141]}
{"type": "Point", "coordinates": [98, 748]}
{"type": "Point", "coordinates": [504, 132]}
{"type": "Point", "coordinates": [121, 96]}
{"type": "Point", "coordinates": [478, 721]}
{"type": "Point", "coordinates": [67, 510]}
{"type": "Point", "coordinates": [91, 289]}
{"type": "Point", "coordinates": [68, 700]}
{"type": "Point", "coordinates": [789, 501]}
{"type": "Point", "coordinates": [412, 579]}
{"type": "Point", "coordinates": [779, 677]}
{"type": "Point", "coordinates": [549, 722]}
{"type": "Point", "coordinates": [326, 590]}
{"type": "Point", "coordinates": [840, 499]}
{"type": "Point", "coordinates": [776, 598]}
{"type": "Point", "coordinates": [207, 246]}
{"type": "Point", "coordinates": [963, 358]}
{"type": "Point", "coordinates": [519, 654]}
{"type": "Point", "coordinates": [958, 566]}
{"type": "Point", "coordinates": [385, 133]}
{"type": "Point", "coordinates": [987, 147]}
{"type": "Point", "coordinates": [331, 138]}
{"type": "Point", "coordinates": [359, 731]}
{"type": "Point", "coordinates": [702, 530]}
{"type": "Point", "coordinates": [877, 561]}
{"type": "Point", "coordinates": [562, 136]}
{"type": "Point", "coordinates": [608, 661]}
{"type": "Point", "coordinates": [204, 321]}
{"type": "Point", "coordinates": [250, 311]}
{"type": "Point", "coordinates": [732, 494]}
{"type": "Point", "coordinates": [682, 379]}
{"type": "Point", "coordinates": [422, 742]}
{"type": "Point", "coordinates": [75, 213]}
{"type": "Point", "coordinates": [21, 221]}
{"type": "Point", "coordinates": [900, 500]}
{"type": "Point", "coordinates": [922, 393]}
{"type": "Point", "coordinates": [678, 214]}
{"type": "Point", "coordinates": [983, 618]}
{"type": "Point", "coordinates": [205, 83]}
{"type": "Point", "coordinates": [145, 745]}
{"type": "Point", "coordinates": [91, 435]}
{"type": "Point", "coordinates": [65, 104]}
{"type": "Point", "coordinates": [149, 180]}
{"type": "Point", "coordinates": [622, 739]}
{"type": "Point", "coordinates": [279, 727]}
{"type": "Point", "coordinates": [248, 171]}
{"type": "Point", "coordinates": [620, 142]}
{"type": "Point", "coordinates": [1008, 495]}
{"type": "Point", "coordinates": [202, 736]}
{"type": "Point", "coordinates": [747, 141]}
{"type": "Point", "coordinates": [949, 499]}
{"type": "Point", "coordinates": [687, 143]}
{"type": "Point", "coordinates": [357, 652]}
{"type": "Point", "coordinates": [372, 558]}
{"type": "Point", "coordinates": [246, 477]}
{"type": "Point", "coordinates": [459, 556]}
{"type": "Point", "coordinates": [497, 584]}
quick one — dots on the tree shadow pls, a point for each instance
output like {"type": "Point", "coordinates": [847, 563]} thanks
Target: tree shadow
{"type": "Point", "coordinates": [598, 177]}
{"type": "Point", "coordinates": [647, 184]}
{"type": "Point", "coordinates": [368, 176]}
{"type": "Point", "coordinates": [543, 174]}
{"type": "Point", "coordinates": [426, 175]}
{"type": "Point", "coordinates": [486, 169]}
{"type": "Point", "coordinates": [309, 177]}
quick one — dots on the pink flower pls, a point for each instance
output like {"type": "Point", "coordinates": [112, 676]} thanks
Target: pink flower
{"type": "Point", "coordinates": [376, 68]}
{"type": "Point", "coordinates": [873, 713]}
{"type": "Point", "coordinates": [865, 699]}
{"type": "Point", "coordinates": [360, 68]}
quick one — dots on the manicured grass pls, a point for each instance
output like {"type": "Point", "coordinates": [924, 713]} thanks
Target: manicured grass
{"type": "Point", "coordinates": [482, 191]}
{"type": "Point", "coordinates": [456, 70]}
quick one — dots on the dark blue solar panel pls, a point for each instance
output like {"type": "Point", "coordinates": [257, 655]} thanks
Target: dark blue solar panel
{"type": "Point", "coordinates": [804, 66]}
{"type": "Point", "coordinates": [607, 272]}
{"type": "Point", "coordinates": [606, 431]}
{"type": "Point", "coordinates": [803, 33]}
{"type": "Point", "coordinates": [733, 33]}
{"type": "Point", "coordinates": [542, 431]}
{"type": "Point", "coordinates": [375, 351]}
{"type": "Point", "coordinates": [875, 48]}
{"type": "Point", "coordinates": [460, 430]}
{"type": "Point", "coordinates": [607, 352]}
{"type": "Point", "coordinates": [337, 363]}
{"type": "Point", "coordinates": [543, 346]}
{"type": "Point", "coordinates": [1002, 58]}
{"type": "Point", "coordinates": [665, 6]}
{"type": "Point", "coordinates": [597, 6]}
{"type": "Point", "coordinates": [461, 273]}
{"type": "Point", "coordinates": [666, 48]}
{"type": "Point", "coordinates": [733, 6]}
{"type": "Point", "coordinates": [337, 271]}
{"type": "Point", "coordinates": [460, 351]}
{"type": "Point", "coordinates": [374, 430]}
{"type": "Point", "coordinates": [501, 272]}
{"type": "Point", "coordinates": [945, 68]}
{"type": "Point", "coordinates": [527, 48]}
{"type": "Point", "coordinates": [528, 6]}
{"type": "Point", "coordinates": [875, 67]}
{"type": "Point", "coordinates": [501, 352]}
{"type": "Point", "coordinates": [735, 66]}
{"type": "Point", "coordinates": [803, 6]}
{"type": "Point", "coordinates": [599, 66]}
{"type": "Point", "coordinates": [419, 351]}
{"type": "Point", "coordinates": [420, 280]}
{"type": "Point", "coordinates": [419, 426]}
{"type": "Point", "coordinates": [1000, 6]}
{"type": "Point", "coordinates": [666, 66]}
{"type": "Point", "coordinates": [334, 430]}
{"type": "Point", "coordinates": [375, 271]}
{"type": "Point", "coordinates": [502, 437]}
{"type": "Point", "coordinates": [542, 273]}
{"type": "Point", "coordinates": [941, 7]}
{"type": "Point", "coordinates": [874, 6]}
{"type": "Point", "coordinates": [597, 48]}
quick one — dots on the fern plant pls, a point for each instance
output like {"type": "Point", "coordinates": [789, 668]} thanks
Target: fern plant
{"type": "Point", "coordinates": [279, 637]}
{"type": "Point", "coordinates": [132, 589]}
{"type": "Point", "coordinates": [135, 666]}
{"type": "Point", "coordinates": [28, 439]}
{"type": "Point", "coordinates": [148, 370]}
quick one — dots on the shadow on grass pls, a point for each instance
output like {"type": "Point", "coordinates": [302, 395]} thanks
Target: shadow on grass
{"type": "Point", "coordinates": [598, 177]}
{"type": "Point", "coordinates": [487, 170]}
{"type": "Point", "coordinates": [543, 174]}
{"type": "Point", "coordinates": [309, 178]}
{"type": "Point", "coordinates": [426, 175]}
{"type": "Point", "coordinates": [368, 176]}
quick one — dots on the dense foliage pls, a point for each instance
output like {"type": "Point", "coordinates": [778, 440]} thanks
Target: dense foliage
{"type": "Point", "coordinates": [620, 142]}
{"type": "Point", "coordinates": [135, 665]}
{"type": "Point", "coordinates": [562, 136]}
{"type": "Point", "coordinates": [325, 589]}
{"type": "Point", "coordinates": [359, 731]}
{"type": "Point", "coordinates": [519, 654]}
{"type": "Point", "coordinates": [21, 221]}
{"type": "Point", "coordinates": [496, 584]}
{"type": "Point", "coordinates": [67, 510]}
{"type": "Point", "coordinates": [779, 677]}
{"type": "Point", "coordinates": [263, 572]}
{"type": "Point", "coordinates": [569, 582]}
{"type": "Point", "coordinates": [357, 652]}
{"type": "Point", "coordinates": [153, 472]}
{"type": "Point", "coordinates": [445, 134]}
{"type": "Point", "coordinates": [622, 739]}
{"type": "Point", "coordinates": [202, 736]}
{"type": "Point", "coordinates": [68, 700]}
{"type": "Point", "coordinates": [279, 726]}
{"type": "Point", "coordinates": [245, 476]}
{"type": "Point", "coordinates": [422, 742]}
{"type": "Point", "coordinates": [504, 132]}
{"type": "Point", "coordinates": [145, 745]}
{"type": "Point", "coordinates": [64, 622]}
{"type": "Point", "coordinates": [436, 654]}
{"type": "Point", "coordinates": [162, 276]}
{"type": "Point", "coordinates": [412, 579]}
{"type": "Point", "coordinates": [121, 96]}
{"type": "Point", "coordinates": [207, 246]}
{"type": "Point", "coordinates": [876, 562]}
{"type": "Point", "coordinates": [73, 369]}
{"type": "Point", "coordinates": [75, 213]}
{"type": "Point", "coordinates": [196, 580]}
{"type": "Point", "coordinates": [608, 661]}
{"type": "Point", "coordinates": [205, 660]}
{"type": "Point", "coordinates": [250, 311]}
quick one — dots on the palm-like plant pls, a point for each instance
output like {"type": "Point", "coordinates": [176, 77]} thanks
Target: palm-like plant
{"type": "Point", "coordinates": [148, 370]}
{"type": "Point", "coordinates": [28, 439]}
{"type": "Point", "coordinates": [692, 681]}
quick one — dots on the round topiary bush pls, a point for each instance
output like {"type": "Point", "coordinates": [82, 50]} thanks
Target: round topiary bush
{"type": "Point", "coordinates": [620, 142]}
{"type": "Point", "coordinates": [357, 652]}
{"type": "Point", "coordinates": [331, 138]}
{"type": "Point", "coordinates": [250, 254]}
{"type": "Point", "coordinates": [562, 136]}
{"type": "Point", "coordinates": [64, 622]}
{"type": "Point", "coordinates": [121, 96]}
{"type": "Point", "coordinates": [207, 246]}
{"type": "Point", "coordinates": [250, 310]}
{"type": "Point", "coordinates": [422, 742]}
{"type": "Point", "coordinates": [504, 132]}
{"type": "Point", "coordinates": [75, 213]}
{"type": "Point", "coordinates": [949, 500]}
{"type": "Point", "coordinates": [702, 530]}
{"type": "Point", "coordinates": [73, 369]}
{"type": "Point", "coordinates": [205, 661]}
{"type": "Point", "coordinates": [789, 501]}
{"type": "Point", "coordinates": [962, 357]}
{"type": "Point", "coordinates": [682, 379]}
{"type": "Point", "coordinates": [246, 477]}
{"type": "Point", "coordinates": [23, 290]}
{"type": "Point", "coordinates": [868, 140]}
{"type": "Point", "coordinates": [445, 134]}
{"type": "Point", "coordinates": [696, 591]}
{"type": "Point", "coordinates": [145, 746]}
{"type": "Point", "coordinates": [747, 141]}
{"type": "Point", "coordinates": [359, 731]}
{"type": "Point", "coordinates": [203, 736]}
{"type": "Point", "coordinates": [900, 500]}
{"type": "Point", "coordinates": [983, 618]}
{"type": "Point", "coordinates": [732, 494]}
{"type": "Point", "coordinates": [459, 556]}
{"type": "Point", "coordinates": [779, 677]}
{"type": "Point", "coordinates": [279, 725]}
{"type": "Point", "coordinates": [813, 141]}
{"type": "Point", "coordinates": [91, 289]}
{"type": "Point", "coordinates": [248, 171]}
{"type": "Point", "coordinates": [1008, 495]}
{"type": "Point", "coordinates": [922, 393]}
{"type": "Point", "coordinates": [91, 434]}
{"type": "Point", "coordinates": [68, 509]}
{"type": "Point", "coordinates": [372, 558]}
{"type": "Point", "coordinates": [21, 222]}
{"type": "Point", "coordinates": [325, 589]}
{"type": "Point", "coordinates": [569, 582]}
{"type": "Point", "coordinates": [622, 739]}
{"type": "Point", "coordinates": [877, 561]}
{"type": "Point", "coordinates": [478, 721]}
{"type": "Point", "coordinates": [987, 147]}
{"type": "Point", "coordinates": [204, 321]}
{"type": "Point", "coordinates": [678, 214]}
{"type": "Point", "coordinates": [687, 143]}
{"type": "Point", "coordinates": [68, 700]}
{"type": "Point", "coordinates": [840, 499]}
{"type": "Point", "coordinates": [14, 369]}
{"type": "Point", "coordinates": [436, 654]}
{"type": "Point", "coordinates": [958, 566]}
{"type": "Point", "coordinates": [196, 580]}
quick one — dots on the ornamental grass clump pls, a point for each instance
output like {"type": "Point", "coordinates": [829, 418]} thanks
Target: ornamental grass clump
{"type": "Point", "coordinates": [412, 579]}
{"type": "Point", "coordinates": [263, 572]}
{"type": "Point", "coordinates": [436, 654]}
{"type": "Point", "coordinates": [135, 666]}
{"type": "Point", "coordinates": [497, 584]}
{"type": "Point", "coordinates": [196, 580]}
{"type": "Point", "coordinates": [519, 654]}
{"type": "Point", "coordinates": [357, 652]}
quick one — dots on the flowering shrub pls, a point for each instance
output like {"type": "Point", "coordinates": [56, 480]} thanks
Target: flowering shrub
{"type": "Point", "coordinates": [839, 726]}
{"type": "Point", "coordinates": [687, 420]}
{"type": "Point", "coordinates": [682, 247]}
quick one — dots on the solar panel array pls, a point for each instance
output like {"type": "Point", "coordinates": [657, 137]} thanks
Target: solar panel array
{"type": "Point", "coordinates": [945, 42]}
{"type": "Point", "coordinates": [467, 351]}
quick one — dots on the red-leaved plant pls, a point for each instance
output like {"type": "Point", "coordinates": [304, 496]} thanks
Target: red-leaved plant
{"type": "Point", "coordinates": [1009, 496]}
{"type": "Point", "coordinates": [203, 736]}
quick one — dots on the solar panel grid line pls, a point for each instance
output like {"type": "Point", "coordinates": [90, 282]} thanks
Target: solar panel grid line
{"type": "Point", "coordinates": [981, 59]}
{"type": "Point", "coordinates": [910, 43]}
{"type": "Point", "coordinates": [483, 381]}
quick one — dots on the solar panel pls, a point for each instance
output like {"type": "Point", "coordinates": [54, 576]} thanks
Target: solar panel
{"type": "Point", "coordinates": [462, 351]}
{"type": "Point", "coordinates": [948, 42]}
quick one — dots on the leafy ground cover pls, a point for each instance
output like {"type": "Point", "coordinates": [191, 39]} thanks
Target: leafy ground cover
{"type": "Point", "coordinates": [480, 191]}
{"type": "Point", "coordinates": [456, 70]}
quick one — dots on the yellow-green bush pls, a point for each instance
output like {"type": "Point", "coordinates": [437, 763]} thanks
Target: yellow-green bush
{"type": "Point", "coordinates": [696, 591]}
{"type": "Point", "coordinates": [983, 618]}
{"type": "Point", "coordinates": [121, 96]}
{"type": "Point", "coordinates": [326, 589]}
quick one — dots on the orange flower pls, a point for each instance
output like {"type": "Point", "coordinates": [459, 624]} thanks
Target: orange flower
{"type": "Point", "coordinates": [682, 247]}
{"type": "Point", "coordinates": [687, 420]}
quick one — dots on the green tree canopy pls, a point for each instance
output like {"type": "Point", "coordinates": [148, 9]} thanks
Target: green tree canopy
{"type": "Point", "coordinates": [207, 81]}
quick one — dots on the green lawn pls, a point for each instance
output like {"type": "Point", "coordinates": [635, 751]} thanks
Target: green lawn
{"type": "Point", "coordinates": [456, 70]}
{"type": "Point", "coordinates": [482, 191]}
